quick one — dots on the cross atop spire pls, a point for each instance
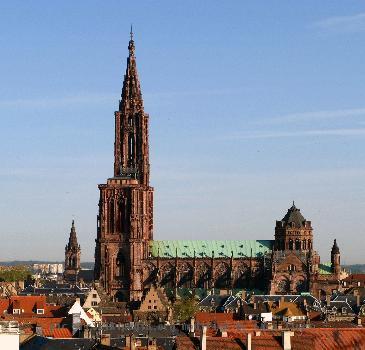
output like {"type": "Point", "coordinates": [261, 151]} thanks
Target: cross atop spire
{"type": "Point", "coordinates": [131, 47]}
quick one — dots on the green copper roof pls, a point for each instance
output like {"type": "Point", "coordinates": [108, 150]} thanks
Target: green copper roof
{"type": "Point", "coordinates": [325, 269]}
{"type": "Point", "coordinates": [202, 249]}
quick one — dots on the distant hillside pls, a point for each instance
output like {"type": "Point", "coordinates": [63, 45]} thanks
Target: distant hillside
{"type": "Point", "coordinates": [357, 268]}
{"type": "Point", "coordinates": [84, 265]}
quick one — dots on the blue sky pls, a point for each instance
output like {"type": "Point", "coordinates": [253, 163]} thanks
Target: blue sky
{"type": "Point", "coordinates": [252, 105]}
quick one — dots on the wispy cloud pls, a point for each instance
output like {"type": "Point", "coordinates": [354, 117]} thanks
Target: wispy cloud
{"type": "Point", "coordinates": [304, 133]}
{"type": "Point", "coordinates": [315, 115]}
{"type": "Point", "coordinates": [351, 23]}
{"type": "Point", "coordinates": [48, 102]}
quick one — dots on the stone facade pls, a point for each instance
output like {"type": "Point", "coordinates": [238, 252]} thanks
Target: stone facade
{"type": "Point", "coordinates": [128, 261]}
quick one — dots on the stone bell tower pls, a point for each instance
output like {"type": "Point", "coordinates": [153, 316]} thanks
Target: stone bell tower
{"type": "Point", "coordinates": [125, 220]}
{"type": "Point", "coordinates": [72, 256]}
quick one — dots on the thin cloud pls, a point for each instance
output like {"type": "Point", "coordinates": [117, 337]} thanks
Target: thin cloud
{"type": "Point", "coordinates": [305, 133]}
{"type": "Point", "coordinates": [316, 115]}
{"type": "Point", "coordinates": [48, 102]}
{"type": "Point", "coordinates": [352, 23]}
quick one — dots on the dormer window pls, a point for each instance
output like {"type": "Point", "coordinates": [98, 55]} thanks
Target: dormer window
{"type": "Point", "coordinates": [344, 310]}
{"type": "Point", "coordinates": [16, 311]}
{"type": "Point", "coordinates": [40, 311]}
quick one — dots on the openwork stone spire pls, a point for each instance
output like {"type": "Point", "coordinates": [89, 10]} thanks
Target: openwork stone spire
{"type": "Point", "coordinates": [131, 154]}
{"type": "Point", "coordinates": [131, 98]}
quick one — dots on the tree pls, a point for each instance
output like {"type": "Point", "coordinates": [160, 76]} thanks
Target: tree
{"type": "Point", "coordinates": [14, 274]}
{"type": "Point", "coordinates": [184, 309]}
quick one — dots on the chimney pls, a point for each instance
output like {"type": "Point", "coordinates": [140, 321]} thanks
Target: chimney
{"type": "Point", "coordinates": [203, 338]}
{"type": "Point", "coordinates": [358, 321]}
{"type": "Point", "coordinates": [132, 342]}
{"type": "Point", "coordinates": [192, 325]}
{"type": "Point", "coordinates": [328, 300]}
{"type": "Point", "coordinates": [358, 300]}
{"type": "Point", "coordinates": [105, 340]}
{"type": "Point", "coordinates": [281, 301]}
{"type": "Point", "coordinates": [249, 341]}
{"type": "Point", "coordinates": [223, 333]}
{"type": "Point", "coordinates": [286, 340]}
{"type": "Point", "coordinates": [254, 306]}
{"type": "Point", "coordinates": [152, 344]}
{"type": "Point", "coordinates": [243, 295]}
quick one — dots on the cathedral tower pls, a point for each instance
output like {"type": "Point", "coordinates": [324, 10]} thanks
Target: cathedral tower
{"type": "Point", "coordinates": [125, 220]}
{"type": "Point", "coordinates": [72, 256]}
{"type": "Point", "coordinates": [293, 232]}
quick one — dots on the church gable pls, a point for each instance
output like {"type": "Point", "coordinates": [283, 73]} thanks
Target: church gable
{"type": "Point", "coordinates": [291, 263]}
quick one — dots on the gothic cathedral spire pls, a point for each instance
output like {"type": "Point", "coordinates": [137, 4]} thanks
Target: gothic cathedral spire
{"type": "Point", "coordinates": [131, 155]}
{"type": "Point", "coordinates": [125, 220]}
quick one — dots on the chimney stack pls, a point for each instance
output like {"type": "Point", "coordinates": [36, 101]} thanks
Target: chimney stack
{"type": "Point", "coordinates": [192, 325]}
{"type": "Point", "coordinates": [328, 300]}
{"type": "Point", "coordinates": [286, 340]}
{"type": "Point", "coordinates": [203, 338]}
{"type": "Point", "coordinates": [249, 341]}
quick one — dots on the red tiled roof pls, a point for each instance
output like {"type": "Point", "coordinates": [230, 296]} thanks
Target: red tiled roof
{"type": "Point", "coordinates": [29, 305]}
{"type": "Point", "coordinates": [62, 333]}
{"type": "Point", "coordinates": [329, 339]}
{"type": "Point", "coordinates": [206, 317]}
{"type": "Point", "coordinates": [355, 277]}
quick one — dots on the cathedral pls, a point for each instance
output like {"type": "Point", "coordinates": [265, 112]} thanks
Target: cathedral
{"type": "Point", "coordinates": [128, 260]}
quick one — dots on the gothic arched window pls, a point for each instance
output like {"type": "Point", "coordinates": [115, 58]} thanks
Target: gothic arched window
{"type": "Point", "coordinates": [290, 244]}
{"type": "Point", "coordinates": [111, 215]}
{"type": "Point", "coordinates": [297, 244]}
{"type": "Point", "coordinates": [309, 244]}
{"type": "Point", "coordinates": [131, 147]}
{"type": "Point", "coordinates": [304, 244]}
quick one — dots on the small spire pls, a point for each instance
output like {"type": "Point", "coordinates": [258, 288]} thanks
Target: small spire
{"type": "Point", "coordinates": [131, 32]}
{"type": "Point", "coordinates": [131, 47]}
{"type": "Point", "coordinates": [73, 223]}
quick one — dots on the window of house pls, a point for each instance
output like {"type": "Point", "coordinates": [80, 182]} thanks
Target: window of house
{"type": "Point", "coordinates": [149, 307]}
{"type": "Point", "coordinates": [40, 311]}
{"type": "Point", "coordinates": [95, 296]}
{"type": "Point", "coordinates": [94, 303]}
{"type": "Point", "coordinates": [155, 307]}
{"type": "Point", "coordinates": [344, 310]}
{"type": "Point", "coordinates": [16, 311]}
{"type": "Point", "coordinates": [155, 301]}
